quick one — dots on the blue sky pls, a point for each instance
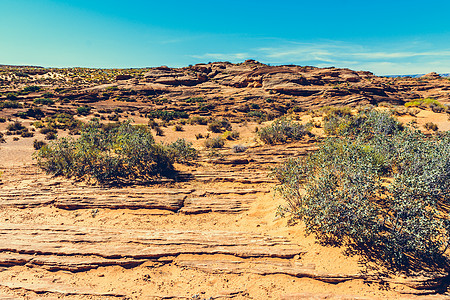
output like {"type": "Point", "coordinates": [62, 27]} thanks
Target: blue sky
{"type": "Point", "coordinates": [385, 37]}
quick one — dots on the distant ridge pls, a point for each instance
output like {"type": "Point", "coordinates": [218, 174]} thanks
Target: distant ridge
{"type": "Point", "coordinates": [414, 75]}
{"type": "Point", "coordinates": [16, 66]}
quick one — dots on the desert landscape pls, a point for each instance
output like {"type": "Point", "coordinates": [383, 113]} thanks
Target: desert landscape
{"type": "Point", "coordinates": [217, 226]}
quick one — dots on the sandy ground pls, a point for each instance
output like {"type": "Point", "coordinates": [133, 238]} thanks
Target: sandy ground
{"type": "Point", "coordinates": [168, 280]}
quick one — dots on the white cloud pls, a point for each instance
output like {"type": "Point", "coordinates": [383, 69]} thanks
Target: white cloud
{"type": "Point", "coordinates": [223, 56]}
{"type": "Point", "coordinates": [405, 58]}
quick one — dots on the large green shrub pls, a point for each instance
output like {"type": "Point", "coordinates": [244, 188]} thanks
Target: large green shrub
{"type": "Point", "coordinates": [121, 154]}
{"type": "Point", "coordinates": [381, 189]}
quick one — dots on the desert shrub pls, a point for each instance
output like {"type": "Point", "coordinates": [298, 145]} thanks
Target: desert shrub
{"type": "Point", "coordinates": [15, 126]}
{"type": "Point", "coordinates": [231, 135]}
{"type": "Point", "coordinates": [431, 126]}
{"type": "Point", "coordinates": [10, 104]}
{"type": "Point", "coordinates": [11, 96]}
{"type": "Point", "coordinates": [256, 114]}
{"type": "Point", "coordinates": [334, 117]}
{"type": "Point", "coordinates": [50, 136]}
{"type": "Point", "coordinates": [18, 128]}
{"type": "Point", "coordinates": [113, 117]}
{"type": "Point", "coordinates": [436, 108]}
{"type": "Point", "coordinates": [127, 99]}
{"type": "Point", "coordinates": [2, 138]}
{"type": "Point", "coordinates": [183, 151]}
{"type": "Point", "coordinates": [216, 142]}
{"type": "Point", "coordinates": [426, 102]}
{"type": "Point", "coordinates": [158, 101]}
{"type": "Point", "coordinates": [31, 113]}
{"type": "Point", "coordinates": [44, 101]}
{"type": "Point", "coordinates": [152, 124]}
{"type": "Point", "coordinates": [167, 115]}
{"type": "Point", "coordinates": [341, 194]}
{"type": "Point", "coordinates": [66, 121]}
{"type": "Point", "coordinates": [365, 123]}
{"type": "Point", "coordinates": [206, 107]}
{"type": "Point", "coordinates": [198, 120]}
{"type": "Point", "coordinates": [239, 148]}
{"type": "Point", "coordinates": [38, 144]}
{"type": "Point", "coordinates": [219, 126]}
{"type": "Point", "coordinates": [84, 110]}
{"type": "Point", "coordinates": [282, 131]}
{"type": "Point", "coordinates": [125, 154]}
{"type": "Point", "coordinates": [27, 134]}
{"type": "Point", "coordinates": [48, 95]}
{"type": "Point", "coordinates": [195, 100]}
{"type": "Point", "coordinates": [60, 121]}
{"type": "Point", "coordinates": [48, 129]}
{"type": "Point", "coordinates": [159, 131]}
{"type": "Point", "coordinates": [31, 89]}
{"type": "Point", "coordinates": [198, 136]}
{"type": "Point", "coordinates": [178, 127]}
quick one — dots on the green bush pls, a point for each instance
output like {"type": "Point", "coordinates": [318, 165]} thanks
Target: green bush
{"type": "Point", "coordinates": [10, 104]}
{"type": "Point", "coordinates": [15, 126]}
{"type": "Point", "coordinates": [239, 148]}
{"type": "Point", "coordinates": [48, 129]}
{"type": "Point", "coordinates": [31, 113]}
{"type": "Point", "coordinates": [217, 142]}
{"type": "Point", "coordinates": [341, 193]}
{"type": "Point", "coordinates": [424, 102]}
{"type": "Point", "coordinates": [219, 126]}
{"type": "Point", "coordinates": [182, 151]}
{"type": "Point", "coordinates": [31, 89]}
{"type": "Point", "coordinates": [431, 126]}
{"type": "Point", "coordinates": [198, 120]}
{"type": "Point", "coordinates": [84, 110]}
{"type": "Point", "coordinates": [11, 96]}
{"type": "Point", "coordinates": [38, 144]}
{"type": "Point", "coordinates": [231, 135]}
{"type": "Point", "coordinates": [366, 123]}
{"type": "Point", "coordinates": [167, 115]}
{"type": "Point", "coordinates": [124, 154]}
{"type": "Point", "coordinates": [44, 101]}
{"type": "Point", "coordinates": [256, 114]}
{"type": "Point", "coordinates": [282, 131]}
{"type": "Point", "coordinates": [48, 95]}
{"type": "Point", "coordinates": [27, 134]}
{"type": "Point", "coordinates": [206, 107]}
{"type": "Point", "coordinates": [195, 100]}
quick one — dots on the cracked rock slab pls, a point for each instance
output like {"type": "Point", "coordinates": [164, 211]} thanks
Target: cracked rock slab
{"type": "Point", "coordinates": [67, 242]}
